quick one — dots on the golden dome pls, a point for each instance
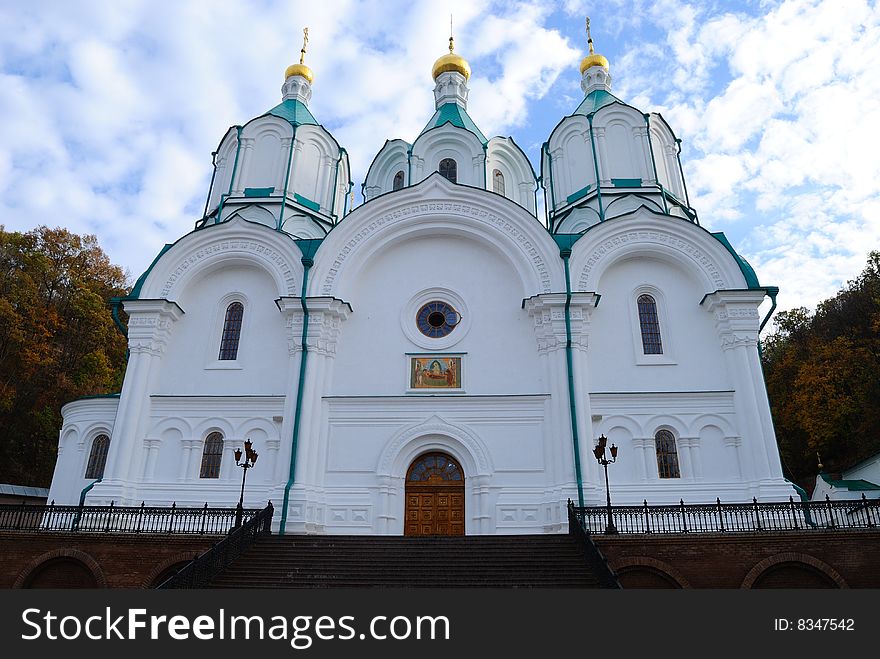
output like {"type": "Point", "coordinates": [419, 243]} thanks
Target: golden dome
{"type": "Point", "coordinates": [594, 59]}
{"type": "Point", "coordinates": [299, 70]}
{"type": "Point", "coordinates": [451, 62]}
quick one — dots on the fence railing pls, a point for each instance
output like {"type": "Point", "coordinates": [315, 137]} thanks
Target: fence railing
{"type": "Point", "coordinates": [199, 572]}
{"type": "Point", "coordinates": [720, 517]}
{"type": "Point", "coordinates": [120, 519]}
{"type": "Point", "coordinates": [594, 557]}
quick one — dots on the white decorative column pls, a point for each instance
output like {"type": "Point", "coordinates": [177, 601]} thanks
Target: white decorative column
{"type": "Point", "coordinates": [548, 314]}
{"type": "Point", "coordinates": [151, 446]}
{"type": "Point", "coordinates": [560, 181]}
{"type": "Point", "coordinates": [737, 322]}
{"type": "Point", "coordinates": [731, 448]}
{"type": "Point", "coordinates": [244, 163]}
{"type": "Point", "coordinates": [692, 445]}
{"type": "Point", "coordinates": [685, 465]}
{"type": "Point", "coordinates": [387, 491]}
{"type": "Point", "coordinates": [478, 164]}
{"type": "Point", "coordinates": [483, 518]}
{"type": "Point", "coordinates": [325, 317]}
{"type": "Point", "coordinates": [191, 454]}
{"type": "Point", "coordinates": [643, 449]}
{"type": "Point", "coordinates": [675, 174]}
{"type": "Point", "coordinates": [324, 188]}
{"type": "Point", "coordinates": [149, 329]}
{"type": "Point", "coordinates": [642, 143]}
{"type": "Point", "coordinates": [273, 446]}
{"type": "Point", "coordinates": [418, 169]}
{"type": "Point", "coordinates": [602, 149]}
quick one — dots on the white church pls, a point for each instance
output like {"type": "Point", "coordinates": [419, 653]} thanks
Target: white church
{"type": "Point", "coordinates": [441, 359]}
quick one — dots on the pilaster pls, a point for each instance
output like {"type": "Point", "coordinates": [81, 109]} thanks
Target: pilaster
{"type": "Point", "coordinates": [737, 322]}
{"type": "Point", "coordinates": [150, 325]}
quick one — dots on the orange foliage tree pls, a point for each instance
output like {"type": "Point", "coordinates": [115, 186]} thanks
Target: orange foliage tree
{"type": "Point", "coordinates": [823, 378]}
{"type": "Point", "coordinates": [57, 341]}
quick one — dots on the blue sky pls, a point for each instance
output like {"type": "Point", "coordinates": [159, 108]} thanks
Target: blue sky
{"type": "Point", "coordinates": [110, 111]}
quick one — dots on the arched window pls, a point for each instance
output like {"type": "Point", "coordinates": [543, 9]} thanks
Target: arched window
{"type": "Point", "coordinates": [667, 456]}
{"type": "Point", "coordinates": [449, 169]}
{"type": "Point", "coordinates": [650, 325]}
{"type": "Point", "coordinates": [98, 457]}
{"type": "Point", "coordinates": [212, 456]}
{"type": "Point", "coordinates": [498, 181]}
{"type": "Point", "coordinates": [398, 181]}
{"type": "Point", "coordinates": [231, 331]}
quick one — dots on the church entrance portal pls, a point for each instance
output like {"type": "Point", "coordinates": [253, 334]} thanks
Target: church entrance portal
{"type": "Point", "coordinates": [434, 496]}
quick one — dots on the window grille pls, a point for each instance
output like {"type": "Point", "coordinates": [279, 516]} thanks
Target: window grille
{"type": "Point", "coordinates": [667, 456]}
{"type": "Point", "coordinates": [398, 181]}
{"type": "Point", "coordinates": [498, 182]}
{"type": "Point", "coordinates": [650, 325]}
{"type": "Point", "coordinates": [98, 457]}
{"type": "Point", "coordinates": [449, 170]}
{"type": "Point", "coordinates": [231, 331]}
{"type": "Point", "coordinates": [212, 456]}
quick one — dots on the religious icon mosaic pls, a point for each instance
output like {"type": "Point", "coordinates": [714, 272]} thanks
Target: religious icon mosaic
{"type": "Point", "coordinates": [434, 372]}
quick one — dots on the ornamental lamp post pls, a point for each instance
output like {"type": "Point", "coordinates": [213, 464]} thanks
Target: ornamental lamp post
{"type": "Point", "coordinates": [250, 459]}
{"type": "Point", "coordinates": [599, 452]}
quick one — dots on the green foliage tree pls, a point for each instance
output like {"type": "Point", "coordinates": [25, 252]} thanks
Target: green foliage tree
{"type": "Point", "coordinates": [823, 378]}
{"type": "Point", "coordinates": [57, 341]}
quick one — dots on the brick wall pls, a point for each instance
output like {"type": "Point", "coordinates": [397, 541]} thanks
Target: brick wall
{"type": "Point", "coordinates": [114, 560]}
{"type": "Point", "coordinates": [835, 559]}
{"type": "Point", "coordinates": [845, 559]}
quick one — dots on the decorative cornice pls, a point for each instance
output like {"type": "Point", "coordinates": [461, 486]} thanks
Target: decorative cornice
{"type": "Point", "coordinates": [736, 316]}
{"type": "Point", "coordinates": [149, 325]}
{"type": "Point", "coordinates": [548, 313]}
{"type": "Point", "coordinates": [326, 315]}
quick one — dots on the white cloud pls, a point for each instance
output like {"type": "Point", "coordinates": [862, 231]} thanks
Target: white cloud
{"type": "Point", "coordinates": [785, 151]}
{"type": "Point", "coordinates": [111, 110]}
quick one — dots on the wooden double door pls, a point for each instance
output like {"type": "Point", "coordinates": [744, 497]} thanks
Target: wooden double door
{"type": "Point", "coordinates": [434, 496]}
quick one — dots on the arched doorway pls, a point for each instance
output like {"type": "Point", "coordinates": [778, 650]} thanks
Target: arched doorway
{"type": "Point", "coordinates": [434, 496]}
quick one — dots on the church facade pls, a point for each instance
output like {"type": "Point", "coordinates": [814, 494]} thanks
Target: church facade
{"type": "Point", "coordinates": [443, 358]}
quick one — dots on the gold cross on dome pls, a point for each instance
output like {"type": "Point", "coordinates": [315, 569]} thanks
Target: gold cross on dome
{"type": "Point", "coordinates": [302, 52]}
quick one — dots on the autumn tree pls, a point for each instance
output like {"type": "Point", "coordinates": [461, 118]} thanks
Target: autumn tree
{"type": "Point", "coordinates": [57, 341]}
{"type": "Point", "coordinates": [823, 378]}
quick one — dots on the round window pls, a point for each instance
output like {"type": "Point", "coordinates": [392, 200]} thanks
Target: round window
{"type": "Point", "coordinates": [437, 319]}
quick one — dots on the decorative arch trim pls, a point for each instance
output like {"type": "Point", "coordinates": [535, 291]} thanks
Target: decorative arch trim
{"type": "Point", "coordinates": [473, 211]}
{"type": "Point", "coordinates": [707, 420]}
{"type": "Point", "coordinates": [181, 557]}
{"type": "Point", "coordinates": [646, 561]}
{"type": "Point", "coordinates": [251, 243]}
{"type": "Point", "coordinates": [792, 557]}
{"type": "Point", "coordinates": [609, 423]}
{"type": "Point", "coordinates": [644, 232]}
{"type": "Point", "coordinates": [90, 563]}
{"type": "Point", "coordinates": [434, 434]}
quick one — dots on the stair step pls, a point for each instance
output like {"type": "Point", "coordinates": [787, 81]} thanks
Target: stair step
{"type": "Point", "coordinates": [300, 561]}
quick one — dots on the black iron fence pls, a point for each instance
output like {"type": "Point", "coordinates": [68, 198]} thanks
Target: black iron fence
{"type": "Point", "coordinates": [595, 558]}
{"type": "Point", "coordinates": [120, 519]}
{"type": "Point", "coordinates": [720, 517]}
{"type": "Point", "coordinates": [199, 572]}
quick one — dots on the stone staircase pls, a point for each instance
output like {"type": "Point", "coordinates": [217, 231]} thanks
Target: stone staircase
{"type": "Point", "coordinates": [309, 561]}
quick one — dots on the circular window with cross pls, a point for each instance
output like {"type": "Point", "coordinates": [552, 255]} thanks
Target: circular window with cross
{"type": "Point", "coordinates": [437, 319]}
